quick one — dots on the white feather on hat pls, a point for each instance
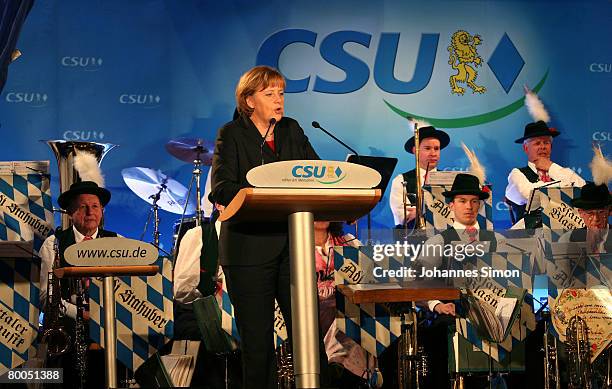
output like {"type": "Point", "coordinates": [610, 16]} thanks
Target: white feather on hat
{"type": "Point", "coordinates": [476, 167]}
{"type": "Point", "coordinates": [535, 107]}
{"type": "Point", "coordinates": [601, 167]}
{"type": "Point", "coordinates": [420, 123]}
{"type": "Point", "coordinates": [87, 166]}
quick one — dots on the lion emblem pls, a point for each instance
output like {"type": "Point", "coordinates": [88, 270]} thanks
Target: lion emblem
{"type": "Point", "coordinates": [462, 53]}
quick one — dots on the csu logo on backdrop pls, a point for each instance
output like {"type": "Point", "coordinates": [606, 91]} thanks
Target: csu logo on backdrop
{"type": "Point", "coordinates": [89, 64]}
{"type": "Point", "coordinates": [505, 63]}
{"type": "Point", "coordinates": [324, 174]}
{"type": "Point", "coordinates": [602, 135]}
{"type": "Point", "coordinates": [32, 99]}
{"type": "Point", "coordinates": [596, 67]}
{"type": "Point", "coordinates": [83, 135]}
{"type": "Point", "coordinates": [142, 100]}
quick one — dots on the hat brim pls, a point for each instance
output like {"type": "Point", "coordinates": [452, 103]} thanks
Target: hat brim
{"type": "Point", "coordinates": [482, 195]}
{"type": "Point", "coordinates": [438, 134]}
{"type": "Point", "coordinates": [66, 198]}
{"type": "Point", "coordinates": [536, 134]}
{"type": "Point", "coordinates": [586, 204]}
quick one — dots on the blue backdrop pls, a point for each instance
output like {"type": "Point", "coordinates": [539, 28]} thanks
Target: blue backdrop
{"type": "Point", "coordinates": [139, 73]}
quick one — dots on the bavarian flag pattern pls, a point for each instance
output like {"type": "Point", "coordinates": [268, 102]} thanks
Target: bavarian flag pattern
{"type": "Point", "coordinates": [26, 210]}
{"type": "Point", "coordinates": [228, 319]}
{"type": "Point", "coordinates": [372, 326]}
{"type": "Point", "coordinates": [558, 215]}
{"type": "Point", "coordinates": [143, 308]}
{"type": "Point", "coordinates": [438, 214]}
{"type": "Point", "coordinates": [26, 214]}
{"type": "Point", "coordinates": [19, 309]}
{"type": "Point", "coordinates": [488, 289]}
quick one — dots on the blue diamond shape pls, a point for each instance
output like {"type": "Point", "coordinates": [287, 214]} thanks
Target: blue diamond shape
{"type": "Point", "coordinates": [506, 63]}
{"type": "Point", "coordinates": [338, 171]}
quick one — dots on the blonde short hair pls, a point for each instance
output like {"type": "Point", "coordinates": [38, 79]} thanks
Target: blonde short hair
{"type": "Point", "coordinates": [254, 80]}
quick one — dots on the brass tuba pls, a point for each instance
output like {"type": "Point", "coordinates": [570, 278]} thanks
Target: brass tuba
{"type": "Point", "coordinates": [65, 152]}
{"type": "Point", "coordinates": [580, 373]}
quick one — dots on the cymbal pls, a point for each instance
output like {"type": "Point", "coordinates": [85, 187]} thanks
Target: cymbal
{"type": "Point", "coordinates": [146, 183]}
{"type": "Point", "coordinates": [190, 149]}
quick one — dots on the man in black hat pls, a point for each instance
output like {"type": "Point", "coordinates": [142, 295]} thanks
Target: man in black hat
{"type": "Point", "coordinates": [431, 141]}
{"type": "Point", "coordinates": [540, 170]}
{"type": "Point", "coordinates": [594, 207]}
{"type": "Point", "coordinates": [466, 196]}
{"type": "Point", "coordinates": [84, 202]}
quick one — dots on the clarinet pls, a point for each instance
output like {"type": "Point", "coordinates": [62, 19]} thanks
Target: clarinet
{"type": "Point", "coordinates": [81, 345]}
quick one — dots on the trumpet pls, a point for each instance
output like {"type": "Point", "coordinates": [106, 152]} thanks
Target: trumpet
{"type": "Point", "coordinates": [284, 366]}
{"type": "Point", "coordinates": [580, 372]}
{"type": "Point", "coordinates": [551, 360]}
{"type": "Point", "coordinates": [413, 363]}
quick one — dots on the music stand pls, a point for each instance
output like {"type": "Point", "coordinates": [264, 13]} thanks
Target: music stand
{"type": "Point", "coordinates": [383, 165]}
{"type": "Point", "coordinates": [17, 250]}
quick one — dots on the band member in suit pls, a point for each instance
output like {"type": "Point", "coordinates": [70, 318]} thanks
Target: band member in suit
{"type": "Point", "coordinates": [466, 197]}
{"type": "Point", "coordinates": [537, 143]}
{"type": "Point", "coordinates": [431, 142]}
{"type": "Point", "coordinates": [84, 202]}
{"type": "Point", "coordinates": [255, 256]}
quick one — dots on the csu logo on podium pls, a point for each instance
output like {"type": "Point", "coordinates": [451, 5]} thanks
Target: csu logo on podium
{"type": "Point", "coordinates": [324, 174]}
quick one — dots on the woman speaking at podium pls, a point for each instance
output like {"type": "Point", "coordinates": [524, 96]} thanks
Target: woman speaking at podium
{"type": "Point", "coordinates": [255, 256]}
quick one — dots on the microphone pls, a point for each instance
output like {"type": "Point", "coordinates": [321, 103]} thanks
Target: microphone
{"type": "Point", "coordinates": [263, 142]}
{"type": "Point", "coordinates": [317, 125]}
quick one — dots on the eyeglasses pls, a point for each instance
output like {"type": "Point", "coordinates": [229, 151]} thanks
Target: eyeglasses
{"type": "Point", "coordinates": [596, 213]}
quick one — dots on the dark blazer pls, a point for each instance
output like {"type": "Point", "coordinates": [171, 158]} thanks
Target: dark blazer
{"type": "Point", "coordinates": [238, 150]}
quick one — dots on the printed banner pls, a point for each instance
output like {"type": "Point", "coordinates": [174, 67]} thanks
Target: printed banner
{"type": "Point", "coordinates": [145, 318]}
{"type": "Point", "coordinates": [488, 290]}
{"type": "Point", "coordinates": [439, 215]}
{"type": "Point", "coordinates": [228, 320]}
{"type": "Point", "coordinates": [26, 210]}
{"type": "Point", "coordinates": [558, 215]}
{"type": "Point", "coordinates": [19, 309]}
{"type": "Point", "coordinates": [370, 325]}
{"type": "Point", "coordinates": [594, 306]}
{"type": "Point", "coordinates": [26, 214]}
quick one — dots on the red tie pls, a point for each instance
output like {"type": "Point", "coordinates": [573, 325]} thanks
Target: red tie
{"type": "Point", "coordinates": [86, 279]}
{"type": "Point", "coordinates": [544, 177]}
{"type": "Point", "coordinates": [471, 232]}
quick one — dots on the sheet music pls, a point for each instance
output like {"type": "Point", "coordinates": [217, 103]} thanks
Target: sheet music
{"type": "Point", "coordinates": [24, 167]}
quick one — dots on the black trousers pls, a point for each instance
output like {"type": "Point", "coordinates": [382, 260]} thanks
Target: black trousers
{"type": "Point", "coordinates": [252, 290]}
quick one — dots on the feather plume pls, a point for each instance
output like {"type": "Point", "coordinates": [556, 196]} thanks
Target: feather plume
{"type": "Point", "coordinates": [87, 166]}
{"type": "Point", "coordinates": [476, 167]}
{"type": "Point", "coordinates": [417, 121]}
{"type": "Point", "coordinates": [535, 107]}
{"type": "Point", "coordinates": [601, 167]}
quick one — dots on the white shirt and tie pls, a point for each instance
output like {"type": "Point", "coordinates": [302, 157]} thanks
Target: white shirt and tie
{"type": "Point", "coordinates": [396, 196]}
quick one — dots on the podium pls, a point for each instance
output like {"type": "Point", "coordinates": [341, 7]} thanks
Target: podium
{"type": "Point", "coordinates": [301, 202]}
{"type": "Point", "coordinates": [141, 268]}
{"type": "Point", "coordinates": [110, 335]}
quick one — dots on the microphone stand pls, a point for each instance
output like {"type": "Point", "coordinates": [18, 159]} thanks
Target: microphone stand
{"type": "Point", "coordinates": [155, 212]}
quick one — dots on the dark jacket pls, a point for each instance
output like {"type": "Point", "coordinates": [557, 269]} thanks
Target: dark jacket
{"type": "Point", "coordinates": [238, 150]}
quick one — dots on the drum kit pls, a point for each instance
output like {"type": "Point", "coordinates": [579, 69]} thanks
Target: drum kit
{"type": "Point", "coordinates": [163, 192]}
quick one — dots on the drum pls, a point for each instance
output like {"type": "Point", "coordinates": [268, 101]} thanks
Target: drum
{"type": "Point", "coordinates": [179, 231]}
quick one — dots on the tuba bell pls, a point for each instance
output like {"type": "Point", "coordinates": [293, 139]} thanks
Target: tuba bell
{"type": "Point", "coordinates": [65, 152]}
